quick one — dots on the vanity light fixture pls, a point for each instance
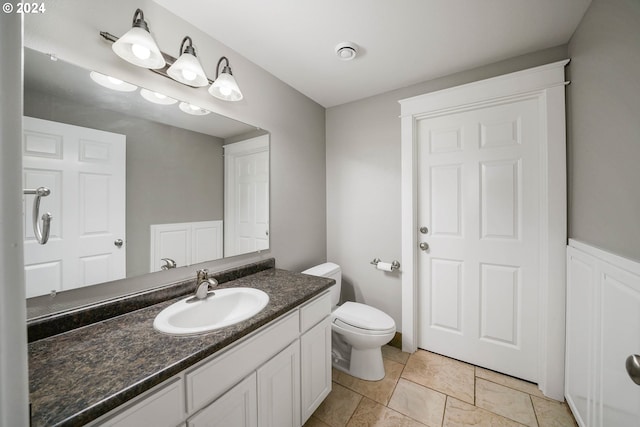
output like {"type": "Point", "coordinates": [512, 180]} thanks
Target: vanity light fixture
{"type": "Point", "coordinates": [137, 46]}
{"type": "Point", "coordinates": [224, 86]}
{"type": "Point", "coordinates": [111, 82]}
{"type": "Point", "coordinates": [156, 97]}
{"type": "Point", "coordinates": [193, 109]}
{"type": "Point", "coordinates": [187, 68]}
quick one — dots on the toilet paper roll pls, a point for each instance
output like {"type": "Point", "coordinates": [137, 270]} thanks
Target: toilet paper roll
{"type": "Point", "coordinates": [384, 266]}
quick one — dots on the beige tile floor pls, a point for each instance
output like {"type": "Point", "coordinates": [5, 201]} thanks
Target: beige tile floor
{"type": "Point", "coordinates": [426, 389]}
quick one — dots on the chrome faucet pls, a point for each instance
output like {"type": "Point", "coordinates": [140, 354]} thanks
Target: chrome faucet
{"type": "Point", "coordinates": [204, 283]}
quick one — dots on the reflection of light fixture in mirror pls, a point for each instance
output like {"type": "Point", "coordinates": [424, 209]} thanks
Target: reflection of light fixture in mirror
{"type": "Point", "coordinates": [157, 98]}
{"type": "Point", "coordinates": [193, 109]}
{"type": "Point", "coordinates": [187, 68]}
{"type": "Point", "coordinates": [111, 82]}
{"type": "Point", "coordinates": [224, 86]}
{"type": "Point", "coordinates": [137, 46]}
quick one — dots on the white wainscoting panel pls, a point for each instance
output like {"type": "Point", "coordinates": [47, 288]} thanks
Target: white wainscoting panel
{"type": "Point", "coordinates": [603, 329]}
{"type": "Point", "coordinates": [186, 243]}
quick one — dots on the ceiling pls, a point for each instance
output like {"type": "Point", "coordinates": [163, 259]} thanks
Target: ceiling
{"type": "Point", "coordinates": [402, 42]}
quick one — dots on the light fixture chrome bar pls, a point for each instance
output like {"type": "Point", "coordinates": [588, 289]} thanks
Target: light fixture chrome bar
{"type": "Point", "coordinates": [167, 58]}
{"type": "Point", "coordinates": [42, 234]}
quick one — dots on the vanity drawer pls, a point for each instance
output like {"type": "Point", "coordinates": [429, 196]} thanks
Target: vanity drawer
{"type": "Point", "coordinates": [314, 311]}
{"type": "Point", "coordinates": [163, 407]}
{"type": "Point", "coordinates": [213, 378]}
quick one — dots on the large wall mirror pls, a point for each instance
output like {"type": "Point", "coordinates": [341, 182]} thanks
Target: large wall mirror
{"type": "Point", "coordinates": [139, 182]}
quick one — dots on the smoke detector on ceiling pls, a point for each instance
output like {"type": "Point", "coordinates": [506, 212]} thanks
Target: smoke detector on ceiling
{"type": "Point", "coordinates": [346, 51]}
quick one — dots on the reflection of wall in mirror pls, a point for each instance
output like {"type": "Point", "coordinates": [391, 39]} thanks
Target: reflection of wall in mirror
{"type": "Point", "coordinates": [173, 175]}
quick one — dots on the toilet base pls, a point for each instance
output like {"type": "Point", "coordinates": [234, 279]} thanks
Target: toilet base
{"type": "Point", "coordinates": [364, 364]}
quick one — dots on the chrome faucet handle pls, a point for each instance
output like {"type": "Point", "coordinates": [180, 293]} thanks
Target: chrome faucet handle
{"type": "Point", "coordinates": [168, 264]}
{"type": "Point", "coordinates": [202, 275]}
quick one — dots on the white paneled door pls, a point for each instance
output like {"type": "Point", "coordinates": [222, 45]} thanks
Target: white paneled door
{"type": "Point", "coordinates": [85, 170]}
{"type": "Point", "coordinates": [478, 195]}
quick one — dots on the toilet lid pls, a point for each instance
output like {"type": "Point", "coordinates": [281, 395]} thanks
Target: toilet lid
{"type": "Point", "coordinates": [364, 317]}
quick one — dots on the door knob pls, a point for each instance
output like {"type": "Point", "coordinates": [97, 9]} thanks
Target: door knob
{"type": "Point", "coordinates": [424, 246]}
{"type": "Point", "coordinates": [633, 367]}
{"type": "Point", "coordinates": [118, 243]}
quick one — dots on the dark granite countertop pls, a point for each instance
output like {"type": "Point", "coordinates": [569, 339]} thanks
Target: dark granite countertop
{"type": "Point", "coordinates": [77, 376]}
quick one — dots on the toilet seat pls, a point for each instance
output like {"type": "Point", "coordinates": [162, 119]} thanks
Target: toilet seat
{"type": "Point", "coordinates": [362, 319]}
{"type": "Point", "coordinates": [345, 327]}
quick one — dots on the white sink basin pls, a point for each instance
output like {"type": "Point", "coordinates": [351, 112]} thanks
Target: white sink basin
{"type": "Point", "coordinates": [224, 308]}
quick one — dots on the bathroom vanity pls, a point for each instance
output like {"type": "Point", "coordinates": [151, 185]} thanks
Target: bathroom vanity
{"type": "Point", "coordinates": [273, 369]}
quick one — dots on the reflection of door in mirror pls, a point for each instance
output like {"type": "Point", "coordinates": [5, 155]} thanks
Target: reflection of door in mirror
{"type": "Point", "coordinates": [246, 196]}
{"type": "Point", "coordinates": [85, 170]}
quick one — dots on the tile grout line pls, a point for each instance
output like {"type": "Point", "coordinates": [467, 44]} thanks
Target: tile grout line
{"type": "Point", "coordinates": [392, 393]}
{"type": "Point", "coordinates": [396, 385]}
{"type": "Point", "coordinates": [356, 410]}
{"type": "Point", "coordinates": [444, 410]}
{"type": "Point", "coordinates": [475, 384]}
{"type": "Point", "coordinates": [535, 414]}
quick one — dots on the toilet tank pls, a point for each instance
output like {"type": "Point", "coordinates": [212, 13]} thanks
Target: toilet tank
{"type": "Point", "coordinates": [331, 271]}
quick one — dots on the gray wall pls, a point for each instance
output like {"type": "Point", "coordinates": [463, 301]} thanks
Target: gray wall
{"type": "Point", "coordinates": [173, 175]}
{"type": "Point", "coordinates": [70, 29]}
{"type": "Point", "coordinates": [363, 182]}
{"type": "Point", "coordinates": [604, 128]}
{"type": "Point", "coordinates": [14, 387]}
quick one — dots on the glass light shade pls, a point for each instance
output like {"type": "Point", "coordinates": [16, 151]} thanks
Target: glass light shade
{"type": "Point", "coordinates": [138, 47]}
{"type": "Point", "coordinates": [157, 98]}
{"type": "Point", "coordinates": [187, 70]}
{"type": "Point", "coordinates": [193, 109]}
{"type": "Point", "coordinates": [226, 88]}
{"type": "Point", "coordinates": [111, 82]}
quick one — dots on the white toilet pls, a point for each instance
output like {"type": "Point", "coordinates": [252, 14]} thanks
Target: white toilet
{"type": "Point", "coordinates": [358, 330]}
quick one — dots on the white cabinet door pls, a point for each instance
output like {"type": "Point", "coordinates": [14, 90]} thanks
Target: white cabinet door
{"type": "Point", "coordinates": [279, 389]}
{"type": "Point", "coordinates": [235, 408]}
{"type": "Point", "coordinates": [315, 367]}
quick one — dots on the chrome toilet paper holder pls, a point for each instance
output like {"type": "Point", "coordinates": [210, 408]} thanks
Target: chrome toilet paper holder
{"type": "Point", "coordinates": [395, 265]}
